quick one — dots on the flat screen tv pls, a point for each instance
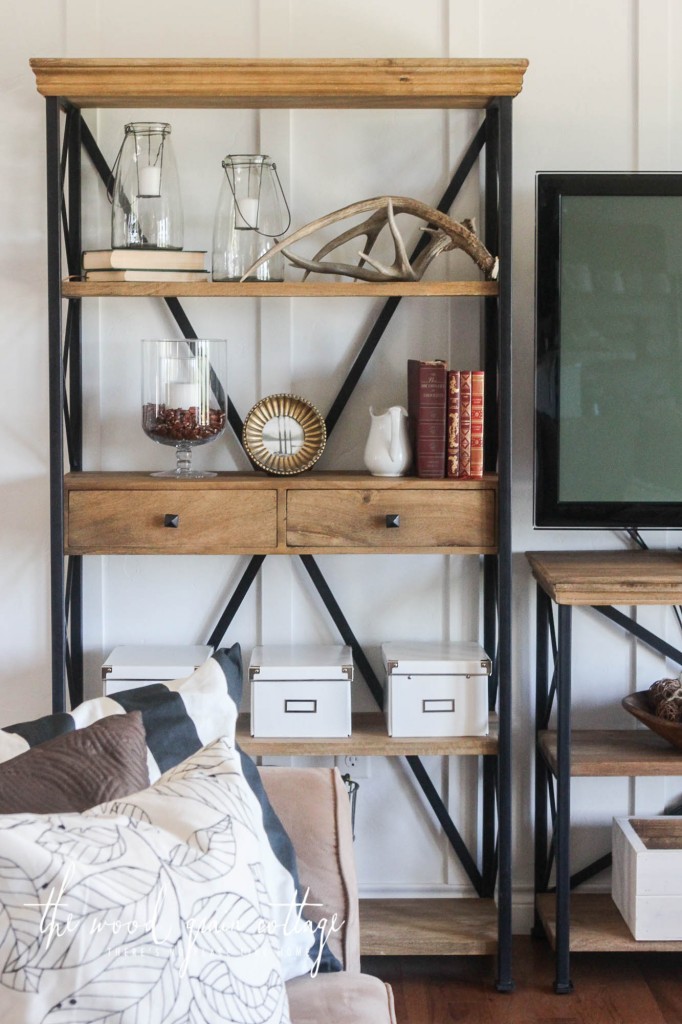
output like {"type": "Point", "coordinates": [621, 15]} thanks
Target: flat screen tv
{"type": "Point", "coordinates": [608, 425]}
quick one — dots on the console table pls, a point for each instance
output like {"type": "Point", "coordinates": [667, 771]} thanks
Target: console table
{"type": "Point", "coordinates": [597, 579]}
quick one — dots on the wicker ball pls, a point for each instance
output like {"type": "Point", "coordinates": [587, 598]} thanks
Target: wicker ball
{"type": "Point", "coordinates": [671, 709]}
{"type": "Point", "coordinates": [663, 690]}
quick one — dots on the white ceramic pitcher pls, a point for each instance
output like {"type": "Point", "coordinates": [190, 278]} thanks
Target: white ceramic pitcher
{"type": "Point", "coordinates": [388, 452]}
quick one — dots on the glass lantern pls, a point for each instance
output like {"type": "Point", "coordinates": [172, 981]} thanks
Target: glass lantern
{"type": "Point", "coordinates": [146, 211]}
{"type": "Point", "coordinates": [252, 213]}
{"type": "Point", "coordinates": [184, 401]}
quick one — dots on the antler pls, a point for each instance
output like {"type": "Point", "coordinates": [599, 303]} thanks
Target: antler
{"type": "Point", "coordinates": [447, 235]}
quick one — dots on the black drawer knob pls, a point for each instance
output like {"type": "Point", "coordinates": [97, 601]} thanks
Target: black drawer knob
{"type": "Point", "coordinates": [392, 521]}
{"type": "Point", "coordinates": [171, 519]}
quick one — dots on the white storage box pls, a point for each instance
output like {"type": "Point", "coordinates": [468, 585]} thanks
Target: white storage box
{"type": "Point", "coordinates": [646, 881]}
{"type": "Point", "coordinates": [137, 665]}
{"type": "Point", "coordinates": [300, 690]}
{"type": "Point", "coordinates": [436, 689]}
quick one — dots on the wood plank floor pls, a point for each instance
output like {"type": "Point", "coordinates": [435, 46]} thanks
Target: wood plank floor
{"type": "Point", "coordinates": [610, 988]}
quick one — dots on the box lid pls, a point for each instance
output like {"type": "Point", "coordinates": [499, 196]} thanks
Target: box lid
{"type": "Point", "coordinates": [426, 658]}
{"type": "Point", "coordinates": [155, 661]}
{"type": "Point", "coordinates": [301, 661]}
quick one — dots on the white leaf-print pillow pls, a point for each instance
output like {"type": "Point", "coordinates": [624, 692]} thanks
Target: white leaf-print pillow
{"type": "Point", "coordinates": [144, 911]}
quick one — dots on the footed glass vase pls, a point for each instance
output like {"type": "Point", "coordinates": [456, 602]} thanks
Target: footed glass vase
{"type": "Point", "coordinates": [184, 398]}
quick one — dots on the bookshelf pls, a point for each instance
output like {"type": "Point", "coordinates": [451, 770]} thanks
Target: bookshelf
{"type": "Point", "coordinates": [96, 513]}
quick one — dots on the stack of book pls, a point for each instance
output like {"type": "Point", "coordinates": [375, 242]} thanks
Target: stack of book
{"type": "Point", "coordinates": [144, 265]}
{"type": "Point", "coordinates": [445, 415]}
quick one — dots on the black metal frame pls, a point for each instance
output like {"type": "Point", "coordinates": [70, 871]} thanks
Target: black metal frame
{"type": "Point", "coordinates": [553, 851]}
{"type": "Point", "coordinates": [493, 135]}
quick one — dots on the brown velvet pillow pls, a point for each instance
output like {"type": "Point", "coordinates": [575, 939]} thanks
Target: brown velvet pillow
{"type": "Point", "coordinates": [75, 771]}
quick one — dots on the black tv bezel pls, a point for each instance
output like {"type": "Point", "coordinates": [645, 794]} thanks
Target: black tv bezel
{"type": "Point", "coordinates": [549, 512]}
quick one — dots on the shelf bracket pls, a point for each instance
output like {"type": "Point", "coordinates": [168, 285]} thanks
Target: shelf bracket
{"type": "Point", "coordinates": [446, 822]}
{"type": "Point", "coordinates": [232, 607]}
{"type": "Point", "coordinates": [341, 623]}
{"type": "Point", "coordinates": [638, 631]}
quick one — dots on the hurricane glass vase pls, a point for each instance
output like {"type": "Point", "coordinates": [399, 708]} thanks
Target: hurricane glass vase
{"type": "Point", "coordinates": [184, 398]}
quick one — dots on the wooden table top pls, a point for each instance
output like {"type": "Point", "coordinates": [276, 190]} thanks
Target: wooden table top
{"type": "Point", "coordinates": [635, 577]}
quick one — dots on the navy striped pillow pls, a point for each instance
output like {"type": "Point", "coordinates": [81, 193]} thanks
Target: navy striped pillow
{"type": "Point", "coordinates": [179, 717]}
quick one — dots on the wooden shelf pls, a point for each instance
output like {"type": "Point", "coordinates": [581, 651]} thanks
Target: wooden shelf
{"type": "Point", "coordinates": [275, 289]}
{"type": "Point", "coordinates": [227, 480]}
{"type": "Point", "coordinates": [430, 927]}
{"type": "Point", "coordinates": [206, 82]}
{"type": "Point", "coordinates": [369, 739]}
{"type": "Point", "coordinates": [614, 752]}
{"type": "Point", "coordinates": [597, 926]}
{"type": "Point", "coordinates": [609, 577]}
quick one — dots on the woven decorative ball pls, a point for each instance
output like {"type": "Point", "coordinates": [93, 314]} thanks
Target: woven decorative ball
{"type": "Point", "coordinates": [662, 690]}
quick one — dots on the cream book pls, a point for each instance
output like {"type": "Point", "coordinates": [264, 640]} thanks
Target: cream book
{"type": "Point", "coordinates": [144, 259]}
{"type": "Point", "coordinates": [146, 275]}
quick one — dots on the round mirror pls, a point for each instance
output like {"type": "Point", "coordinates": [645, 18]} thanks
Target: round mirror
{"type": "Point", "coordinates": [283, 435]}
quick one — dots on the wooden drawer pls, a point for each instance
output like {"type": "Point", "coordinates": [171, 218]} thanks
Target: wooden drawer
{"type": "Point", "coordinates": [431, 519]}
{"type": "Point", "coordinates": [214, 521]}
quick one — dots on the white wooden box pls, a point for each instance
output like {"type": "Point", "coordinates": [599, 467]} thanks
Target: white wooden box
{"type": "Point", "coordinates": [434, 689]}
{"type": "Point", "coordinates": [128, 667]}
{"type": "Point", "coordinates": [301, 690]}
{"type": "Point", "coordinates": [646, 881]}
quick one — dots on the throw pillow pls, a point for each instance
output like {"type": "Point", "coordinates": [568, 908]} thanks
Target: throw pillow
{"type": "Point", "coordinates": [179, 717]}
{"type": "Point", "coordinates": [150, 908]}
{"type": "Point", "coordinates": [72, 772]}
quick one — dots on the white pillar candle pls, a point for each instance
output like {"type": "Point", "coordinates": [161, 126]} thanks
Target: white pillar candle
{"type": "Point", "coordinates": [149, 181]}
{"type": "Point", "coordinates": [246, 213]}
{"type": "Point", "coordinates": [183, 396]}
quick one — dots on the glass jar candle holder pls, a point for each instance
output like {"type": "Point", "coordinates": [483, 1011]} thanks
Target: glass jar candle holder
{"type": "Point", "coordinates": [146, 209]}
{"type": "Point", "coordinates": [184, 398]}
{"type": "Point", "coordinates": [252, 212]}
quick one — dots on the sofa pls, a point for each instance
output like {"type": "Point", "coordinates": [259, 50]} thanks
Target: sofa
{"type": "Point", "coordinates": [320, 829]}
{"type": "Point", "coordinates": [166, 858]}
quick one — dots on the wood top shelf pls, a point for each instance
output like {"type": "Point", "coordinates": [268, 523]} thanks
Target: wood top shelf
{"type": "Point", "coordinates": [368, 739]}
{"type": "Point", "coordinates": [621, 753]}
{"type": "Point", "coordinates": [207, 82]}
{"type": "Point", "coordinates": [609, 577]}
{"type": "Point", "coordinates": [276, 289]}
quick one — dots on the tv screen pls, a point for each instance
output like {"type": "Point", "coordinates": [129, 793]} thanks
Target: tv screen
{"type": "Point", "coordinates": [608, 428]}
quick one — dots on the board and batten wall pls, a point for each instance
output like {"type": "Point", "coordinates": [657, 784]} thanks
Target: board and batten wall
{"type": "Point", "coordinates": [598, 95]}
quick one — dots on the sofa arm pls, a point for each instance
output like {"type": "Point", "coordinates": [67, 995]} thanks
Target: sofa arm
{"type": "Point", "coordinates": [313, 806]}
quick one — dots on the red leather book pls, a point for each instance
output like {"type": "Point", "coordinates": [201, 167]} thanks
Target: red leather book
{"type": "Point", "coordinates": [452, 451]}
{"type": "Point", "coordinates": [426, 408]}
{"type": "Point", "coordinates": [465, 424]}
{"type": "Point", "coordinates": [477, 391]}
{"type": "Point", "coordinates": [471, 424]}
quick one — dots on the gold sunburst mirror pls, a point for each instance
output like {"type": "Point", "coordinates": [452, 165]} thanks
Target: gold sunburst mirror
{"type": "Point", "coordinates": [284, 434]}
